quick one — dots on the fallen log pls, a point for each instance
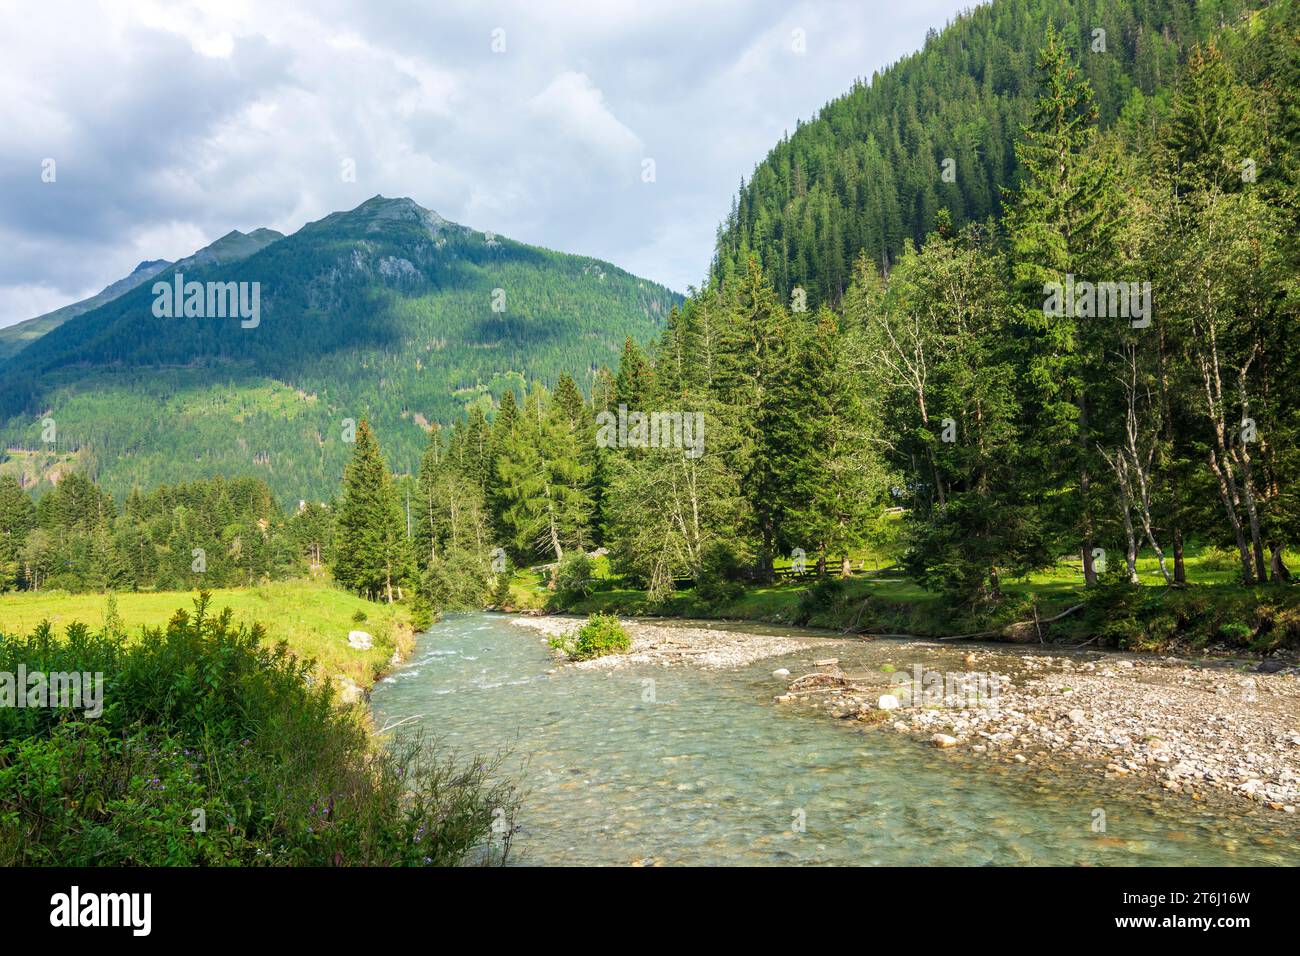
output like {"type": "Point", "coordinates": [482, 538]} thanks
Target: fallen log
{"type": "Point", "coordinates": [978, 634]}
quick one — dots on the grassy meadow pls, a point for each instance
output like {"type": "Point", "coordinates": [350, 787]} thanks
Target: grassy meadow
{"type": "Point", "coordinates": [311, 616]}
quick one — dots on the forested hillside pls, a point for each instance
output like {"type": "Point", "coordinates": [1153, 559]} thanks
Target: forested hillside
{"type": "Point", "coordinates": [386, 312]}
{"type": "Point", "coordinates": [869, 173]}
{"type": "Point", "coordinates": [1107, 372]}
{"type": "Point", "coordinates": [232, 247]}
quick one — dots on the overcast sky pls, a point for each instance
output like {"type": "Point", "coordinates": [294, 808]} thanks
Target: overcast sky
{"type": "Point", "coordinates": [172, 123]}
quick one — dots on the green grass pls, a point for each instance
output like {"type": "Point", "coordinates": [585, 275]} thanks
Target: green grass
{"type": "Point", "coordinates": [1214, 611]}
{"type": "Point", "coordinates": [312, 617]}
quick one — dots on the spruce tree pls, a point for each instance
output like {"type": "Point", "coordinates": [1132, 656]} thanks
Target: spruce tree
{"type": "Point", "coordinates": [371, 552]}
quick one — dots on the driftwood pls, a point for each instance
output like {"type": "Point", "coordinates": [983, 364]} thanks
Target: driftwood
{"type": "Point", "coordinates": [819, 680]}
{"type": "Point", "coordinates": [1037, 624]}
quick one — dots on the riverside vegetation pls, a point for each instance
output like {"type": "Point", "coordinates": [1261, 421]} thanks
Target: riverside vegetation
{"type": "Point", "coordinates": [215, 749]}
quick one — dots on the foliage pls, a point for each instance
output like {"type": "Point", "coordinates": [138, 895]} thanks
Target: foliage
{"type": "Point", "coordinates": [202, 715]}
{"type": "Point", "coordinates": [574, 579]}
{"type": "Point", "coordinates": [601, 635]}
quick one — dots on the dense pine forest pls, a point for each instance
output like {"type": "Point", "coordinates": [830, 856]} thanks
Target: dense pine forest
{"type": "Point", "coordinates": [937, 131]}
{"type": "Point", "coordinates": [1095, 361]}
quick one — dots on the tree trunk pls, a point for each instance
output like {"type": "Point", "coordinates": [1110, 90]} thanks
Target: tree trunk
{"type": "Point", "coordinates": [1089, 572]}
{"type": "Point", "coordinates": [1281, 574]}
{"type": "Point", "coordinates": [1180, 569]}
{"type": "Point", "coordinates": [1225, 492]}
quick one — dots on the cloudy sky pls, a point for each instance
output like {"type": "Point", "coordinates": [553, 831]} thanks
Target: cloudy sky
{"type": "Point", "coordinates": [172, 123]}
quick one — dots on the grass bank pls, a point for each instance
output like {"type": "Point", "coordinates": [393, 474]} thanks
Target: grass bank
{"type": "Point", "coordinates": [1212, 614]}
{"type": "Point", "coordinates": [311, 616]}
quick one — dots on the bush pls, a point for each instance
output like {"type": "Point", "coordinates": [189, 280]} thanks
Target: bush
{"type": "Point", "coordinates": [720, 578]}
{"type": "Point", "coordinates": [1215, 558]}
{"type": "Point", "coordinates": [573, 579]}
{"type": "Point", "coordinates": [601, 635]}
{"type": "Point", "coordinates": [825, 593]}
{"type": "Point", "coordinates": [501, 592]}
{"type": "Point", "coordinates": [422, 613]}
{"type": "Point", "coordinates": [1236, 632]}
{"type": "Point", "coordinates": [215, 750]}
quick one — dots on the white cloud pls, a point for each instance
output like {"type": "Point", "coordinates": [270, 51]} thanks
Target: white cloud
{"type": "Point", "coordinates": [574, 108]}
{"type": "Point", "coordinates": [174, 123]}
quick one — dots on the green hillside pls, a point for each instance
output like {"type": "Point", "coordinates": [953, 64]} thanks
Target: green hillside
{"type": "Point", "coordinates": [384, 312]}
{"type": "Point", "coordinates": [231, 247]}
{"type": "Point", "coordinates": [14, 338]}
{"type": "Point", "coordinates": [868, 173]}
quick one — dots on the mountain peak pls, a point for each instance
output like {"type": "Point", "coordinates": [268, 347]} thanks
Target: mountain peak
{"type": "Point", "coordinates": [380, 209]}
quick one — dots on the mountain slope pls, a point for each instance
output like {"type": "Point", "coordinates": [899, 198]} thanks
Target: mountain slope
{"type": "Point", "coordinates": [868, 172]}
{"type": "Point", "coordinates": [14, 338]}
{"type": "Point", "coordinates": [385, 312]}
{"type": "Point", "coordinates": [231, 247]}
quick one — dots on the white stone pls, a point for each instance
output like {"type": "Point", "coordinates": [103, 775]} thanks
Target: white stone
{"type": "Point", "coordinates": [360, 641]}
{"type": "Point", "coordinates": [943, 740]}
{"type": "Point", "coordinates": [887, 702]}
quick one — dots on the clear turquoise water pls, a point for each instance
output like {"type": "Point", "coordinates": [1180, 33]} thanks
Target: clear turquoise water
{"type": "Point", "coordinates": [713, 772]}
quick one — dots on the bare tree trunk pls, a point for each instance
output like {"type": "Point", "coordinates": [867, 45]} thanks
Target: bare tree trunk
{"type": "Point", "coordinates": [1281, 574]}
{"type": "Point", "coordinates": [1089, 572]}
{"type": "Point", "coordinates": [1225, 492]}
{"type": "Point", "coordinates": [1247, 473]}
{"type": "Point", "coordinates": [1219, 457]}
{"type": "Point", "coordinates": [1180, 569]}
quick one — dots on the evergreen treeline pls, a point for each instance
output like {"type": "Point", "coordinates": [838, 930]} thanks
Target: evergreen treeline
{"type": "Point", "coordinates": [1105, 368]}
{"type": "Point", "coordinates": [1010, 431]}
{"type": "Point", "coordinates": [205, 534]}
{"type": "Point", "coordinates": [868, 173]}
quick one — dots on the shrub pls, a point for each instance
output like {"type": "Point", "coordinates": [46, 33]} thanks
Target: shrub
{"type": "Point", "coordinates": [457, 582]}
{"type": "Point", "coordinates": [719, 579]}
{"type": "Point", "coordinates": [1215, 558]}
{"type": "Point", "coordinates": [200, 716]}
{"type": "Point", "coordinates": [501, 591]}
{"type": "Point", "coordinates": [422, 613]}
{"type": "Point", "coordinates": [573, 579]}
{"type": "Point", "coordinates": [1236, 632]}
{"type": "Point", "coordinates": [824, 594]}
{"type": "Point", "coordinates": [601, 635]}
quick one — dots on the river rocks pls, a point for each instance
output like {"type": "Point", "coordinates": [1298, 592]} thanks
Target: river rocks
{"type": "Point", "coordinates": [1163, 721]}
{"type": "Point", "coordinates": [360, 641]}
{"type": "Point", "coordinates": [673, 644]}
